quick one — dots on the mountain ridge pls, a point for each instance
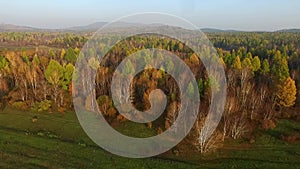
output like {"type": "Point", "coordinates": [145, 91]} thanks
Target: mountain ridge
{"type": "Point", "coordinates": [97, 25]}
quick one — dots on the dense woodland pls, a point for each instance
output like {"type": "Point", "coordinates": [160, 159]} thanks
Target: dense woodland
{"type": "Point", "coordinates": [262, 72]}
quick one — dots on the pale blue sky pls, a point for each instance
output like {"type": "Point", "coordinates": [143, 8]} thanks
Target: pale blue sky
{"type": "Point", "coordinates": [224, 14]}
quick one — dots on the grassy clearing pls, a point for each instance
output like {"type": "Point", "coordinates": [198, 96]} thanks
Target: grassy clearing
{"type": "Point", "coordinates": [57, 141]}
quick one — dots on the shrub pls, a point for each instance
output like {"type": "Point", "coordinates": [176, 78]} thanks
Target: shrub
{"type": "Point", "coordinates": [20, 105]}
{"type": "Point", "coordinates": [61, 110]}
{"type": "Point", "coordinates": [292, 138]}
{"type": "Point", "coordinates": [121, 118]}
{"type": "Point", "coordinates": [42, 106]}
{"type": "Point", "coordinates": [268, 124]}
{"type": "Point", "coordinates": [149, 125]}
{"type": "Point", "coordinates": [34, 119]}
{"type": "Point", "coordinates": [112, 112]}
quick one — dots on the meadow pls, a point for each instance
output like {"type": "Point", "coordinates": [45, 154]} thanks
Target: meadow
{"type": "Point", "coordinates": [57, 140]}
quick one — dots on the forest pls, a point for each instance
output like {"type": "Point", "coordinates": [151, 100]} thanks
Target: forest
{"type": "Point", "coordinates": [262, 72]}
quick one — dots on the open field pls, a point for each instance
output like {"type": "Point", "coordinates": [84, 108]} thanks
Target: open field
{"type": "Point", "coordinates": [57, 141]}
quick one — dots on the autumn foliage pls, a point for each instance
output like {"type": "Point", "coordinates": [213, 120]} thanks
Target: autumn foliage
{"type": "Point", "coordinates": [286, 93]}
{"type": "Point", "coordinates": [262, 73]}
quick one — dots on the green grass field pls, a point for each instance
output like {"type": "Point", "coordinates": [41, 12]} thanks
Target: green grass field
{"type": "Point", "coordinates": [57, 141]}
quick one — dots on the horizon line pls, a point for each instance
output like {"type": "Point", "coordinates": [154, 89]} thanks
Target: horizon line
{"type": "Point", "coordinates": [201, 28]}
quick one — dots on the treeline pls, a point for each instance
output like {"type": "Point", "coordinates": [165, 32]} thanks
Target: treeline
{"type": "Point", "coordinates": [13, 40]}
{"type": "Point", "coordinates": [262, 72]}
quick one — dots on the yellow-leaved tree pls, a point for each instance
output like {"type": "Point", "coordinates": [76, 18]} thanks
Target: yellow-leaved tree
{"type": "Point", "coordinates": [286, 93]}
{"type": "Point", "coordinates": [237, 63]}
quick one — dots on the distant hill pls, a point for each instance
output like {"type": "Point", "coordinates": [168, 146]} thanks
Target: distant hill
{"type": "Point", "coordinates": [15, 28]}
{"type": "Point", "coordinates": [214, 30]}
{"type": "Point", "coordinates": [98, 25]}
{"type": "Point", "coordinates": [92, 26]}
{"type": "Point", "coordinates": [289, 30]}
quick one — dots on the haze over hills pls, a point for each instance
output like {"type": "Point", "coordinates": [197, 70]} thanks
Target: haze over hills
{"type": "Point", "coordinates": [95, 26]}
{"type": "Point", "coordinates": [10, 27]}
{"type": "Point", "coordinates": [289, 30]}
{"type": "Point", "coordinates": [17, 28]}
{"type": "Point", "coordinates": [91, 27]}
{"type": "Point", "coordinates": [215, 30]}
